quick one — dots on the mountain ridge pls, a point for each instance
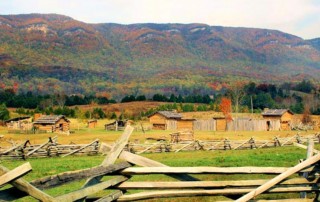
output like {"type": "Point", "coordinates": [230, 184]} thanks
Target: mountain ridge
{"type": "Point", "coordinates": [132, 57]}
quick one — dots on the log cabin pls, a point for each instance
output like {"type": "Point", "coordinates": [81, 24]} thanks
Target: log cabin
{"type": "Point", "coordinates": [283, 115]}
{"type": "Point", "coordinates": [92, 123]}
{"type": "Point", "coordinates": [52, 123]}
{"type": "Point", "coordinates": [19, 123]}
{"type": "Point", "coordinates": [163, 120]}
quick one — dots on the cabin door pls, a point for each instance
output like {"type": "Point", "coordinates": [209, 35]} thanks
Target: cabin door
{"type": "Point", "coordinates": [268, 125]}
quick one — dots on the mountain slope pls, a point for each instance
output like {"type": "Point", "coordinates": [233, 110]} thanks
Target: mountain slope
{"type": "Point", "coordinates": [145, 58]}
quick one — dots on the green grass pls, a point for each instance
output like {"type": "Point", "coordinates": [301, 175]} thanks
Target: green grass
{"type": "Point", "coordinates": [274, 157]}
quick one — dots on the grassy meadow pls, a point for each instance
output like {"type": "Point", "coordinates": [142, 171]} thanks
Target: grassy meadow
{"type": "Point", "coordinates": [277, 157]}
{"type": "Point", "coordinates": [273, 157]}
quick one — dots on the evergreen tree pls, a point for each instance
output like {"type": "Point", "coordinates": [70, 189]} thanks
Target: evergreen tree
{"type": "Point", "coordinates": [4, 112]}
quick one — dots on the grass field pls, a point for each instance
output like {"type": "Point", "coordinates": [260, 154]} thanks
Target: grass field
{"type": "Point", "coordinates": [277, 157]}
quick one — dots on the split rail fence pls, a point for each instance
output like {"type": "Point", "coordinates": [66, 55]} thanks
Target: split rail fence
{"type": "Point", "coordinates": [301, 179]}
{"type": "Point", "coordinates": [222, 144]}
{"type": "Point", "coordinates": [49, 148]}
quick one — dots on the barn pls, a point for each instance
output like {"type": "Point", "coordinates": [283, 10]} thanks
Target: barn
{"type": "Point", "coordinates": [52, 123]}
{"type": "Point", "coordinates": [283, 115]}
{"type": "Point", "coordinates": [164, 120]}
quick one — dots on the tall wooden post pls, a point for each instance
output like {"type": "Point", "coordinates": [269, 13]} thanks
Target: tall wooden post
{"type": "Point", "coordinates": [309, 155]}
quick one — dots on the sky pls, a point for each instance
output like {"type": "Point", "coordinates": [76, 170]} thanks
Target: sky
{"type": "Point", "coordinates": [297, 17]}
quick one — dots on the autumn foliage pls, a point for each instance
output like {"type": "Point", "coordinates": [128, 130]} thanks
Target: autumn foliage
{"type": "Point", "coordinates": [225, 108]}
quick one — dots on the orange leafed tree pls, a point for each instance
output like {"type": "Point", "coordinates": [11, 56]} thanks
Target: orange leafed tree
{"type": "Point", "coordinates": [225, 108]}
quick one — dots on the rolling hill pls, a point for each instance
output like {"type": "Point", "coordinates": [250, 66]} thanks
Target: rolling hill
{"type": "Point", "coordinates": [48, 53]}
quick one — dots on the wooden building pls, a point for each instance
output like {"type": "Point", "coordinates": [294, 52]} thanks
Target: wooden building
{"type": "Point", "coordinates": [92, 123]}
{"type": "Point", "coordinates": [283, 115]}
{"type": "Point", "coordinates": [19, 123]}
{"type": "Point", "coordinates": [165, 120]}
{"type": "Point", "coordinates": [221, 123]}
{"type": "Point", "coordinates": [185, 124]}
{"type": "Point", "coordinates": [117, 125]}
{"type": "Point", "coordinates": [52, 123]}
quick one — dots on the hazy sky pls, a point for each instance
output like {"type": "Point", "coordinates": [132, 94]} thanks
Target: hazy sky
{"type": "Point", "coordinates": [298, 17]}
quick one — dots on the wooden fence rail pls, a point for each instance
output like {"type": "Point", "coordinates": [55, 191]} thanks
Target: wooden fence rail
{"type": "Point", "coordinates": [49, 148]}
{"type": "Point", "coordinates": [302, 178]}
{"type": "Point", "coordinates": [224, 144]}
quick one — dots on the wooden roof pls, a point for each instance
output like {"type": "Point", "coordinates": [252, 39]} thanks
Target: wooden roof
{"type": "Point", "coordinates": [17, 119]}
{"type": "Point", "coordinates": [168, 114]}
{"type": "Point", "coordinates": [92, 120]}
{"type": "Point", "coordinates": [275, 112]}
{"type": "Point", "coordinates": [51, 119]}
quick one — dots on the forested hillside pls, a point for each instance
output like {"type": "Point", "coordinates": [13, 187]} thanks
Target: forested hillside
{"type": "Point", "coordinates": [48, 54]}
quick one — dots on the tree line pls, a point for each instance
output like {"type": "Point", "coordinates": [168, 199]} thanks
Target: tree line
{"type": "Point", "coordinates": [245, 97]}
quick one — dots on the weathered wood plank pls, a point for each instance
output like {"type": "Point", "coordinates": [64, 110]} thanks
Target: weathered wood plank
{"type": "Point", "coordinates": [118, 146]}
{"type": "Point", "coordinates": [142, 161]}
{"type": "Point", "coordinates": [40, 146]}
{"type": "Point", "coordinates": [13, 148]}
{"type": "Point", "coordinates": [113, 154]}
{"type": "Point", "coordinates": [279, 178]}
{"type": "Point", "coordinates": [242, 144]}
{"type": "Point", "coordinates": [305, 147]}
{"type": "Point", "coordinates": [24, 186]}
{"type": "Point", "coordinates": [153, 145]}
{"type": "Point", "coordinates": [208, 184]}
{"type": "Point", "coordinates": [77, 150]}
{"type": "Point", "coordinates": [309, 154]}
{"type": "Point", "coordinates": [66, 177]}
{"type": "Point", "coordinates": [111, 197]}
{"type": "Point", "coordinates": [82, 193]}
{"type": "Point", "coordinates": [186, 193]}
{"type": "Point", "coordinates": [184, 147]}
{"type": "Point", "coordinates": [202, 170]}
{"type": "Point", "coordinates": [15, 173]}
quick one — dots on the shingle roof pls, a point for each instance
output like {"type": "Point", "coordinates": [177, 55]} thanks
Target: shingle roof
{"type": "Point", "coordinates": [169, 114]}
{"type": "Point", "coordinates": [275, 112]}
{"type": "Point", "coordinates": [51, 119]}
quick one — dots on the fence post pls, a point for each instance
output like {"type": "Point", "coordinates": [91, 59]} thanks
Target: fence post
{"type": "Point", "coordinates": [309, 155]}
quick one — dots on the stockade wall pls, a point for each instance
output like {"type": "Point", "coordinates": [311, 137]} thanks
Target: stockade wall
{"type": "Point", "coordinates": [222, 125]}
{"type": "Point", "coordinates": [205, 125]}
{"type": "Point", "coordinates": [184, 124]}
{"type": "Point", "coordinates": [301, 178]}
{"type": "Point", "coordinates": [252, 125]}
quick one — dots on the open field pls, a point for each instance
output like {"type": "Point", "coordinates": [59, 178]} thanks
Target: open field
{"type": "Point", "coordinates": [279, 157]}
{"type": "Point", "coordinates": [83, 135]}
{"type": "Point", "coordinates": [129, 108]}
